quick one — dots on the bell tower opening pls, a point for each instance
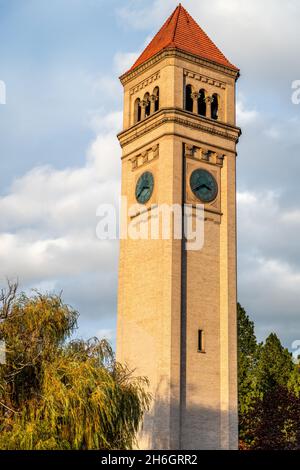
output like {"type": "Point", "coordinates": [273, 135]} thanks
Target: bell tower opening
{"type": "Point", "coordinates": [137, 110]}
{"type": "Point", "coordinates": [202, 103]}
{"type": "Point", "coordinates": [215, 106]}
{"type": "Point", "coordinates": [188, 98]}
{"type": "Point", "coordinates": [156, 99]}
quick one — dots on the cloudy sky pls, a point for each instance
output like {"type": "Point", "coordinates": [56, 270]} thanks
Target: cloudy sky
{"type": "Point", "coordinates": [60, 61]}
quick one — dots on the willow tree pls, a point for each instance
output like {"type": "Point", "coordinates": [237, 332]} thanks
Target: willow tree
{"type": "Point", "coordinates": [61, 394]}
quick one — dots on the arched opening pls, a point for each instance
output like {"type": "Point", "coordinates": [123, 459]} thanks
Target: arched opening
{"type": "Point", "coordinates": [188, 98]}
{"type": "Point", "coordinates": [148, 105]}
{"type": "Point", "coordinates": [156, 103]}
{"type": "Point", "coordinates": [202, 103]}
{"type": "Point", "coordinates": [137, 110]}
{"type": "Point", "coordinates": [215, 106]}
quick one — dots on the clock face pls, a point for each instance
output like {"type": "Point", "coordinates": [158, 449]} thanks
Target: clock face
{"type": "Point", "coordinates": [144, 187]}
{"type": "Point", "coordinates": [204, 185]}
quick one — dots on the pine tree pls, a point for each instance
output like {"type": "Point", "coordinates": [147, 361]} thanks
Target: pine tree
{"type": "Point", "coordinates": [275, 365]}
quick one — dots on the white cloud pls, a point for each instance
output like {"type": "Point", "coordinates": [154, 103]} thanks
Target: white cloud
{"type": "Point", "coordinates": [123, 61]}
{"type": "Point", "coordinates": [148, 16]}
{"type": "Point", "coordinates": [273, 133]}
{"type": "Point", "coordinates": [244, 116]}
{"type": "Point", "coordinates": [48, 217]}
{"type": "Point", "coordinates": [106, 333]}
{"type": "Point", "coordinates": [292, 217]}
{"type": "Point", "coordinates": [105, 86]}
{"type": "Point", "coordinates": [63, 198]}
{"type": "Point", "coordinates": [269, 268]}
{"type": "Point", "coordinates": [246, 198]}
{"type": "Point", "coordinates": [285, 129]}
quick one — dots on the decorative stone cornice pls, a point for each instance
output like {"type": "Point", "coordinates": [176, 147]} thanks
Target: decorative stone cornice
{"type": "Point", "coordinates": [181, 117]}
{"type": "Point", "coordinates": [204, 79]}
{"type": "Point", "coordinates": [140, 159]}
{"type": "Point", "coordinates": [144, 83]}
{"type": "Point", "coordinates": [204, 153]}
{"type": "Point", "coordinates": [172, 53]}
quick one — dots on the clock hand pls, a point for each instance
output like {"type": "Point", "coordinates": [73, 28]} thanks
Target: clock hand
{"type": "Point", "coordinates": [142, 189]}
{"type": "Point", "coordinates": [145, 188]}
{"type": "Point", "coordinates": [140, 192]}
{"type": "Point", "coordinates": [202, 186]}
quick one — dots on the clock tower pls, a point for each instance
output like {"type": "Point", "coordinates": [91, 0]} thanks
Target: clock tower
{"type": "Point", "coordinates": [177, 307]}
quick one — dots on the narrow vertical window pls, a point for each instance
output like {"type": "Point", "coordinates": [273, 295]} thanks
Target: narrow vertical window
{"type": "Point", "coordinates": [201, 341]}
{"type": "Point", "coordinates": [188, 98]}
{"type": "Point", "coordinates": [215, 106]}
{"type": "Point", "coordinates": [202, 103]}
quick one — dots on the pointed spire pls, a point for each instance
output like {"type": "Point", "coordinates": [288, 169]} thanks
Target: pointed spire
{"type": "Point", "coordinates": [181, 31]}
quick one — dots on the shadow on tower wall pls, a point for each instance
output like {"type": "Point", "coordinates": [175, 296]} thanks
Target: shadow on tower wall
{"type": "Point", "coordinates": [170, 425]}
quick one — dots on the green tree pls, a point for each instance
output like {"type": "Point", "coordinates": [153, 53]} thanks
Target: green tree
{"type": "Point", "coordinates": [248, 350]}
{"type": "Point", "coordinates": [62, 394]}
{"type": "Point", "coordinates": [275, 365]}
{"type": "Point", "coordinates": [272, 422]}
{"type": "Point", "coordinates": [294, 381]}
{"type": "Point", "coordinates": [246, 334]}
{"type": "Point", "coordinates": [269, 389]}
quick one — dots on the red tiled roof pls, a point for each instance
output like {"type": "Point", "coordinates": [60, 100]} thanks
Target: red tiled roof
{"type": "Point", "coordinates": [182, 32]}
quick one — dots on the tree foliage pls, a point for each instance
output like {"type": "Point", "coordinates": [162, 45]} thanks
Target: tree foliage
{"type": "Point", "coordinates": [247, 359]}
{"type": "Point", "coordinates": [272, 423]}
{"type": "Point", "coordinates": [294, 381]}
{"type": "Point", "coordinates": [247, 338]}
{"type": "Point", "coordinates": [62, 394]}
{"type": "Point", "coordinates": [56, 393]}
{"type": "Point", "coordinates": [269, 392]}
